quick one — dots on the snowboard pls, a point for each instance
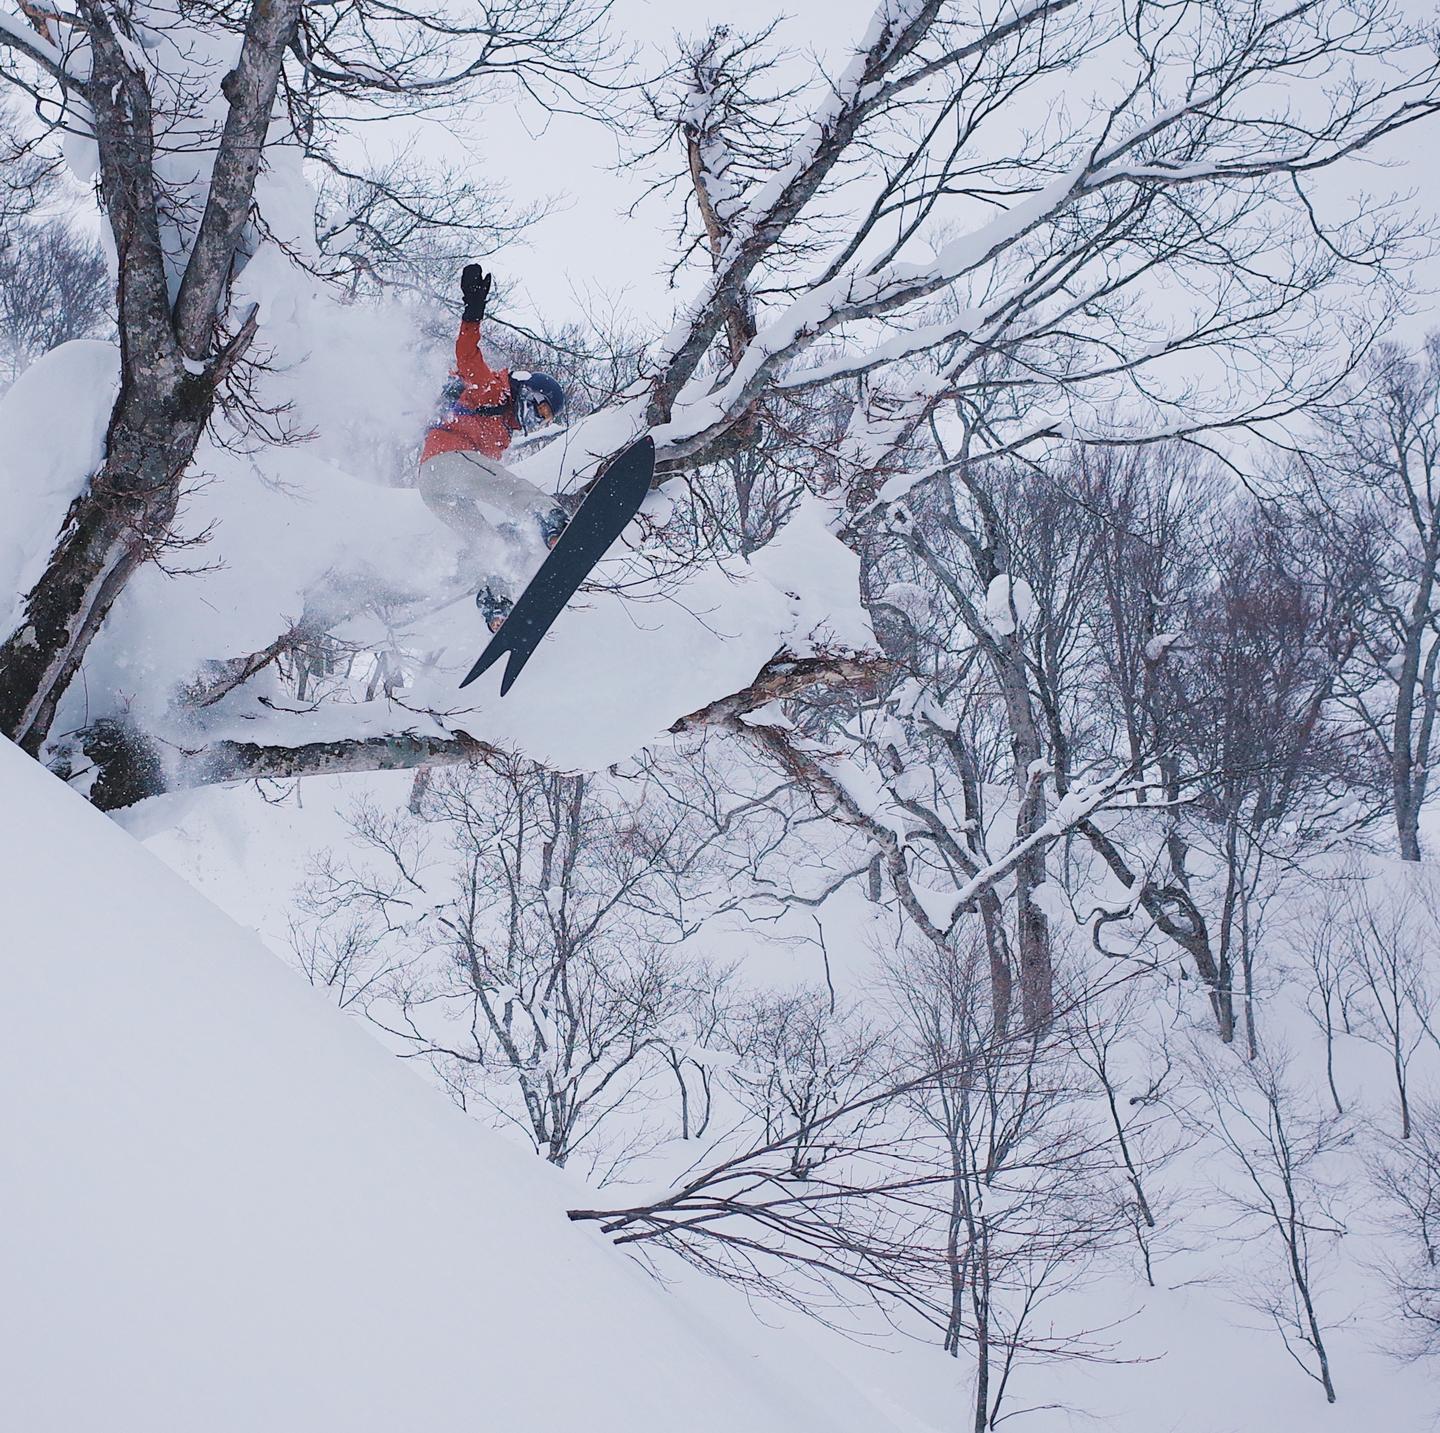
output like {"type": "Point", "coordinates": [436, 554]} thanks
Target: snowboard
{"type": "Point", "coordinates": [612, 501]}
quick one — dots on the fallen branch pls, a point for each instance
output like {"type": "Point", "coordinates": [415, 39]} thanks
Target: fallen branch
{"type": "Point", "coordinates": [244, 760]}
{"type": "Point", "coordinates": [783, 677]}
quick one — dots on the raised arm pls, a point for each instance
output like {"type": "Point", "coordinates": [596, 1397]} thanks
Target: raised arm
{"type": "Point", "coordinates": [470, 361]}
{"type": "Point", "coordinates": [469, 356]}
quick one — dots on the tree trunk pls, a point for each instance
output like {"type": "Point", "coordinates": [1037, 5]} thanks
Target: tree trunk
{"type": "Point", "coordinates": [122, 520]}
{"type": "Point", "coordinates": [1037, 996]}
{"type": "Point", "coordinates": [1409, 746]}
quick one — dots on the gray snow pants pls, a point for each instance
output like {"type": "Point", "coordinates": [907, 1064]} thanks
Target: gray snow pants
{"type": "Point", "coordinates": [497, 513]}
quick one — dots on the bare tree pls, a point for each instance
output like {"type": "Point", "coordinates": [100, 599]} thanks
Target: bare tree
{"type": "Point", "coordinates": [1025, 1205]}
{"type": "Point", "coordinates": [956, 1184]}
{"type": "Point", "coordinates": [1266, 656]}
{"type": "Point", "coordinates": [346, 957]}
{"type": "Point", "coordinates": [54, 287]}
{"type": "Point", "coordinates": [1406, 1175]}
{"type": "Point", "coordinates": [1392, 935]}
{"type": "Point", "coordinates": [515, 929]}
{"type": "Point", "coordinates": [1235, 686]}
{"type": "Point", "coordinates": [695, 1050]}
{"type": "Point", "coordinates": [1279, 1146]}
{"type": "Point", "coordinates": [1104, 1031]}
{"type": "Point", "coordinates": [1329, 955]}
{"type": "Point", "coordinates": [796, 1060]}
{"type": "Point", "coordinates": [404, 224]}
{"type": "Point", "coordinates": [1156, 509]}
{"type": "Point", "coordinates": [53, 281]}
{"type": "Point", "coordinates": [1375, 488]}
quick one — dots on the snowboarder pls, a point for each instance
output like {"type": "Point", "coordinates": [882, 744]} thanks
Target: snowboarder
{"type": "Point", "coordinates": [507, 521]}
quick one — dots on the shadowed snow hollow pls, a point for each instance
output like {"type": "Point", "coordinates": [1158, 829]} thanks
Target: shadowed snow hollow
{"type": "Point", "coordinates": [225, 1208]}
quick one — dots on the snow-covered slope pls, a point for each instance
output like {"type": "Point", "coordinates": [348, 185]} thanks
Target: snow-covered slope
{"type": "Point", "coordinates": [247, 849]}
{"type": "Point", "coordinates": [225, 1208]}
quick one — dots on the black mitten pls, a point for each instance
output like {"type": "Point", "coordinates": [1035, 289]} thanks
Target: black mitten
{"type": "Point", "coordinates": [475, 286]}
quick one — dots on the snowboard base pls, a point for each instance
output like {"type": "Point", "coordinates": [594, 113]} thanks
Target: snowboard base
{"type": "Point", "coordinates": [606, 512]}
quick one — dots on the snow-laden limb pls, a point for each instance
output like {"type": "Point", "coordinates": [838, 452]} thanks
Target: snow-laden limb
{"type": "Point", "coordinates": [392, 745]}
{"type": "Point", "coordinates": [1031, 281]}
{"type": "Point", "coordinates": [388, 736]}
{"type": "Point", "coordinates": [1009, 604]}
{"type": "Point", "coordinates": [871, 81]}
{"type": "Point", "coordinates": [724, 144]}
{"type": "Point", "coordinates": [26, 38]}
{"type": "Point", "coordinates": [758, 704]}
{"type": "Point", "coordinates": [854, 798]}
{"type": "Point", "coordinates": [1076, 807]}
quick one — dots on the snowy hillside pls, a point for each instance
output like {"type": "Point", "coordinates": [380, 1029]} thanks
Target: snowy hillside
{"type": "Point", "coordinates": [225, 1207]}
{"type": "Point", "coordinates": [1159, 1346]}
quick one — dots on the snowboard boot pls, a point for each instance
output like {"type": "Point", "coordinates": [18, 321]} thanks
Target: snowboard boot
{"type": "Point", "coordinates": [494, 607]}
{"type": "Point", "coordinates": [552, 524]}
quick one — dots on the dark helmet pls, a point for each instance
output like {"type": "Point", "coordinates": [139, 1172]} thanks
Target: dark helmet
{"type": "Point", "coordinates": [530, 390]}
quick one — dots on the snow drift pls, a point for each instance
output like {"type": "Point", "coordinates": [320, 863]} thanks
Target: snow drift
{"type": "Point", "coordinates": [226, 1208]}
{"type": "Point", "coordinates": [48, 449]}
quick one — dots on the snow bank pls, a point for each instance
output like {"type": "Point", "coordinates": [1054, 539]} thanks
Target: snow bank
{"type": "Point", "coordinates": [52, 435]}
{"type": "Point", "coordinates": [226, 1208]}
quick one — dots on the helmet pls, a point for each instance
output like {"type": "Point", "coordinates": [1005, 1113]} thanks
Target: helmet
{"type": "Point", "coordinates": [531, 389]}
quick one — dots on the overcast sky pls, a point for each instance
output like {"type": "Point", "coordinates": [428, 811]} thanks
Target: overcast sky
{"type": "Point", "coordinates": [588, 252]}
{"type": "Point", "coordinates": [588, 248]}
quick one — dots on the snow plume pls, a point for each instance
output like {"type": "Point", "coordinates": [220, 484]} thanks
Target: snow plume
{"type": "Point", "coordinates": [330, 530]}
{"type": "Point", "coordinates": [52, 435]}
{"type": "Point", "coordinates": [659, 651]}
{"type": "Point", "coordinates": [328, 534]}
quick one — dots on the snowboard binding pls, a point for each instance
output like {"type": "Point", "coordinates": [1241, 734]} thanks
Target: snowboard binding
{"type": "Point", "coordinates": [494, 607]}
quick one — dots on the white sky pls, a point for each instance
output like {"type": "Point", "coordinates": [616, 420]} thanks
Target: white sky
{"type": "Point", "coordinates": [588, 251]}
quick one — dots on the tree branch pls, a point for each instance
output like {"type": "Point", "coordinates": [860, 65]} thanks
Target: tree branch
{"type": "Point", "coordinates": [250, 87]}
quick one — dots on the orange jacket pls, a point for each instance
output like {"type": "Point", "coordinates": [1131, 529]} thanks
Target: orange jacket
{"type": "Point", "coordinates": [482, 418]}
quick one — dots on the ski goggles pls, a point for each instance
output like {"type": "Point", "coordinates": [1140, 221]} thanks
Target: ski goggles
{"type": "Point", "coordinates": [532, 412]}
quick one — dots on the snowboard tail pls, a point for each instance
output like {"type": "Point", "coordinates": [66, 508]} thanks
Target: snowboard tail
{"type": "Point", "coordinates": [606, 512]}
